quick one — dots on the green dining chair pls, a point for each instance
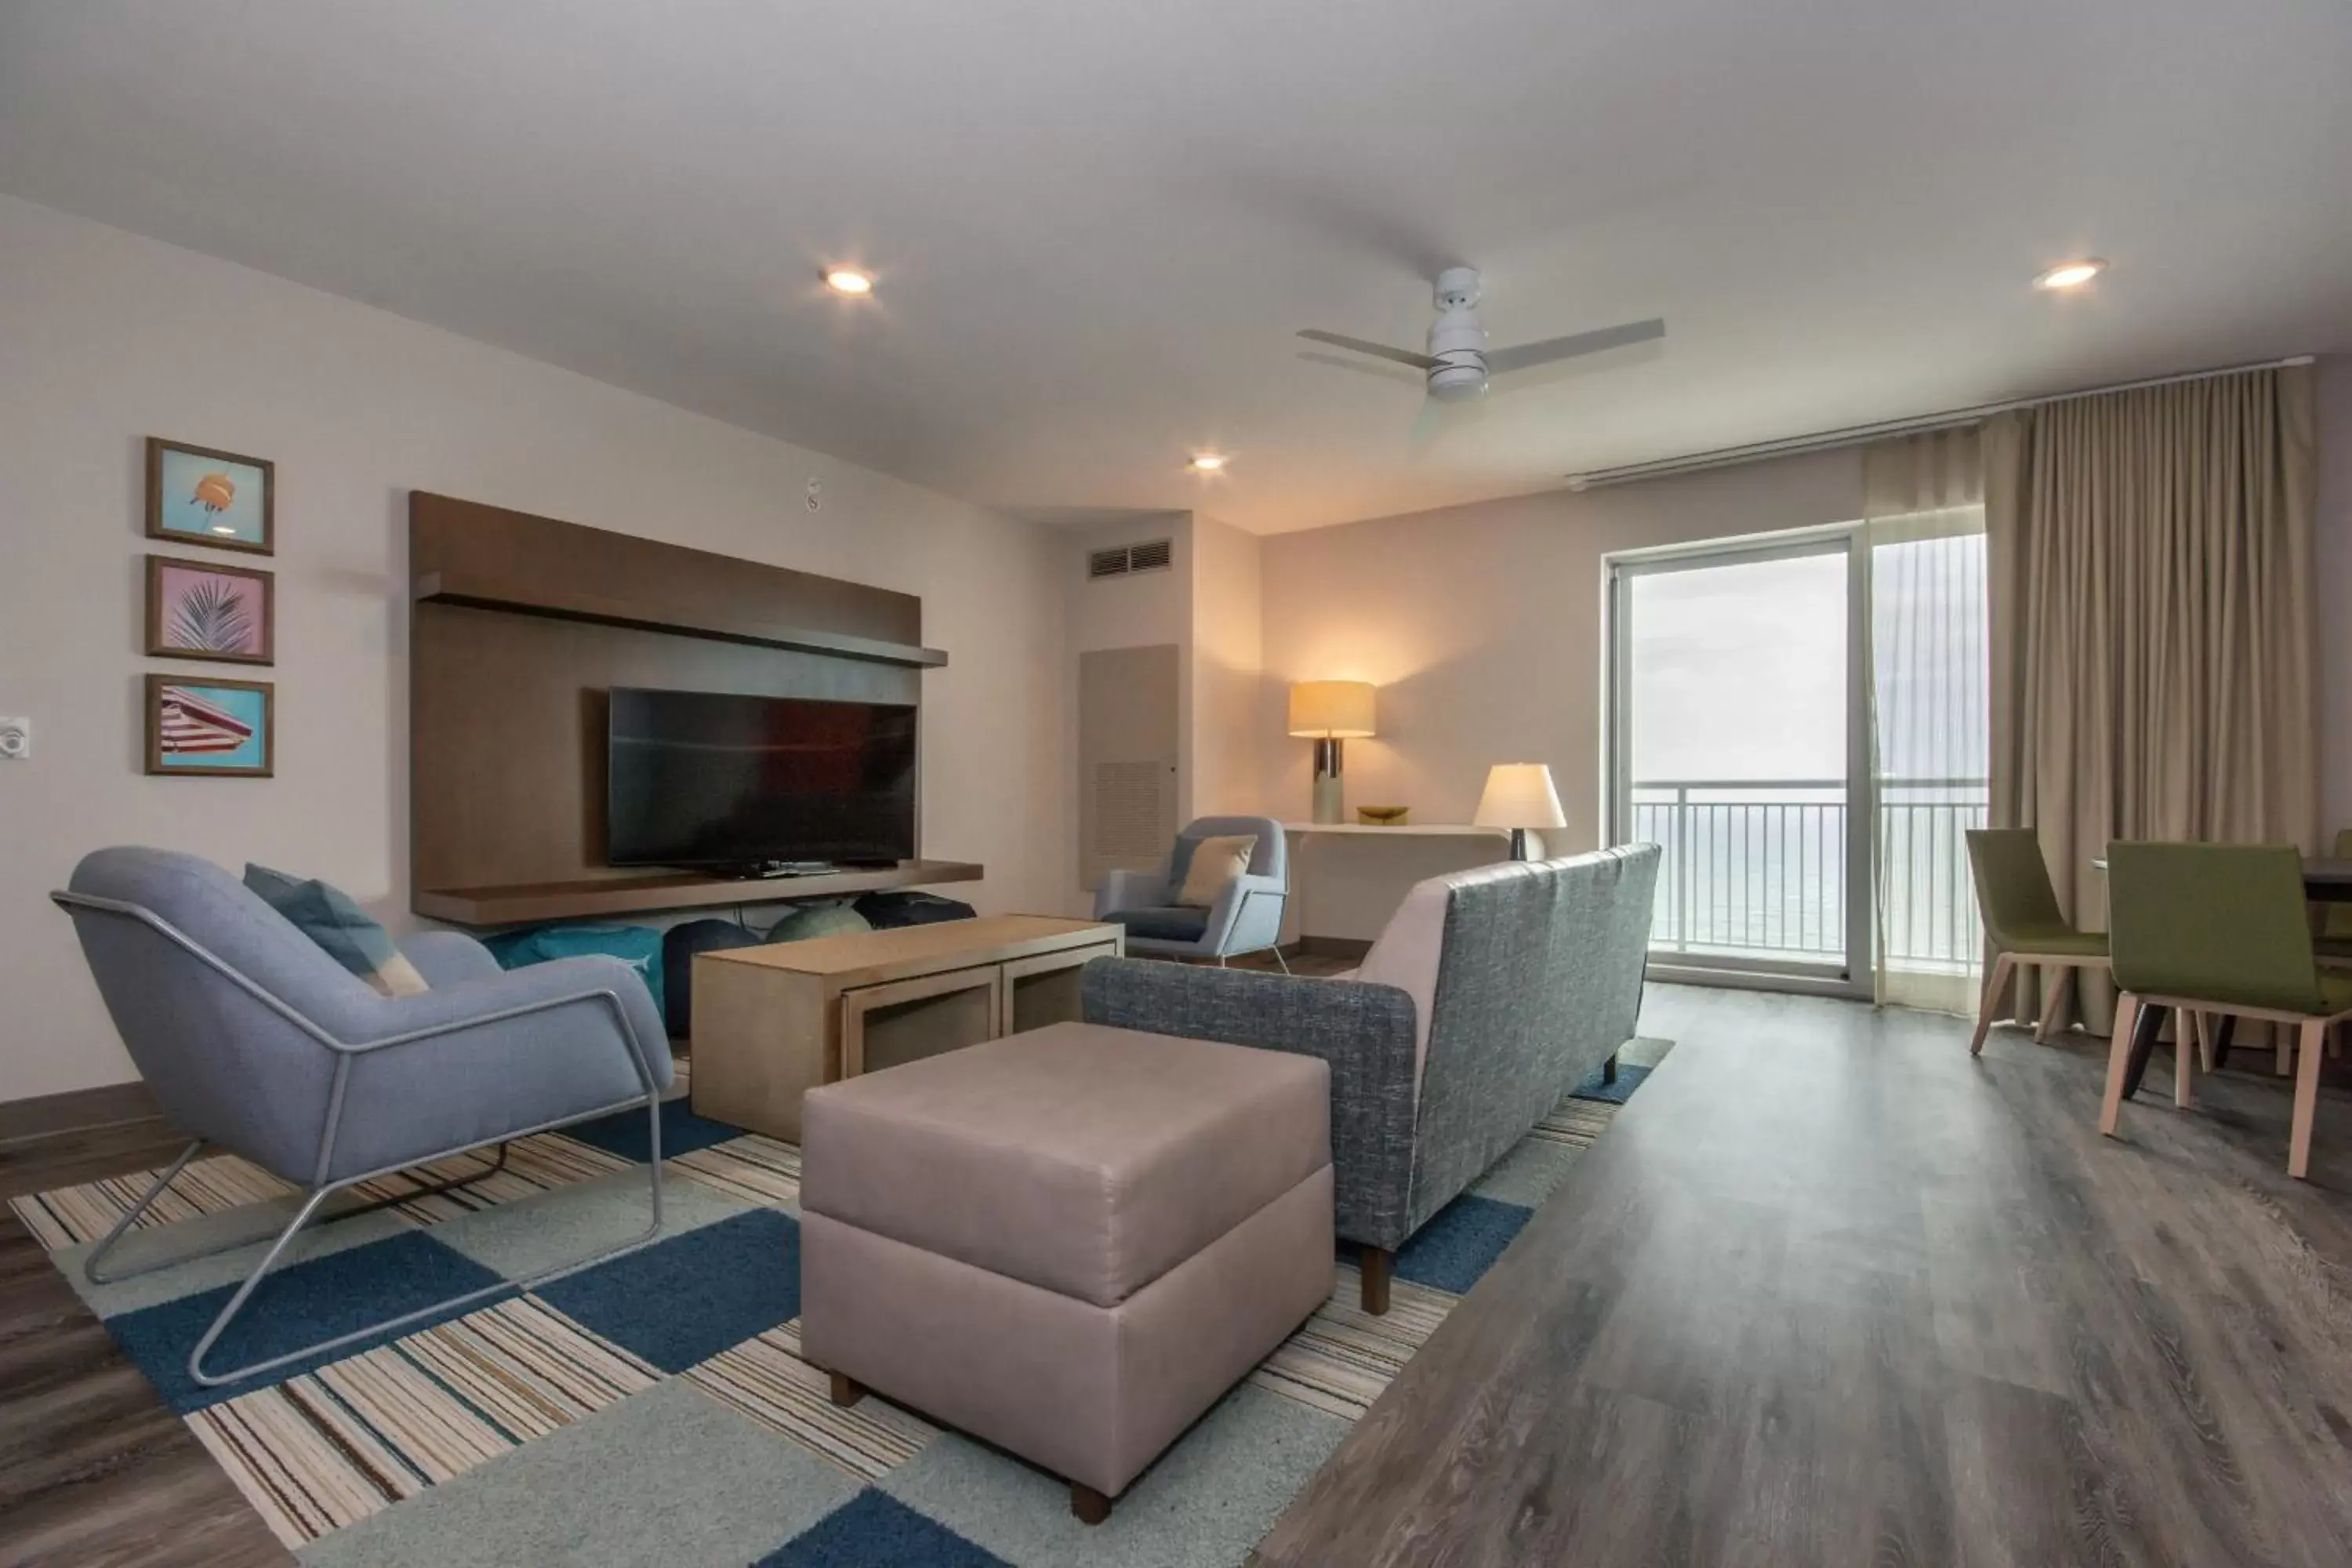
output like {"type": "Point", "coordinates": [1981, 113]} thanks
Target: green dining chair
{"type": "Point", "coordinates": [2023, 924]}
{"type": "Point", "coordinates": [2218, 928]}
{"type": "Point", "coordinates": [2335, 943]}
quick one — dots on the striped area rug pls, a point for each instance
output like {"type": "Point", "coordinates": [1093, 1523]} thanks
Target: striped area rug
{"type": "Point", "coordinates": [655, 1406]}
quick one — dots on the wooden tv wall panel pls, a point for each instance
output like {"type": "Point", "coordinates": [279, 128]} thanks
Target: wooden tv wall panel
{"type": "Point", "coordinates": [519, 625]}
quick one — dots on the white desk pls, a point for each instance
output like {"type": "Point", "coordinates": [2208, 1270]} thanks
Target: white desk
{"type": "Point", "coordinates": [1401, 830]}
{"type": "Point", "coordinates": [1343, 890]}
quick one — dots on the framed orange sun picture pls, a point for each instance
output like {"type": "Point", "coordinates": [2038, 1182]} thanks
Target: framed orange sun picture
{"type": "Point", "coordinates": [198, 496]}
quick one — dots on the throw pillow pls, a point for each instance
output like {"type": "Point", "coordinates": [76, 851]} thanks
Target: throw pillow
{"type": "Point", "coordinates": [342, 928]}
{"type": "Point", "coordinates": [1215, 862]}
{"type": "Point", "coordinates": [818, 920]}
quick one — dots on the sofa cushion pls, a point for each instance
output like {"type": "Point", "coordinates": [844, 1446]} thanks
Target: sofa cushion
{"type": "Point", "coordinates": [1167, 922]}
{"type": "Point", "coordinates": [1215, 863]}
{"type": "Point", "coordinates": [1084, 1160]}
{"type": "Point", "coordinates": [344, 931]}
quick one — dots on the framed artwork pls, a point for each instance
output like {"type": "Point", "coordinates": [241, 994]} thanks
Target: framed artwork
{"type": "Point", "coordinates": [198, 496]}
{"type": "Point", "coordinates": [200, 728]}
{"type": "Point", "coordinates": [196, 609]}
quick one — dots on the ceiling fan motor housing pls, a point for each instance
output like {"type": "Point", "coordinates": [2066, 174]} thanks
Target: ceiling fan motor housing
{"type": "Point", "coordinates": [1456, 341]}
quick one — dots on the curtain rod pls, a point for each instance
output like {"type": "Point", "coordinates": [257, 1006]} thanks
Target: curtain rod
{"type": "Point", "coordinates": [1855, 434]}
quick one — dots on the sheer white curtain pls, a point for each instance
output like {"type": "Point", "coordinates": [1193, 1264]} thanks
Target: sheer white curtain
{"type": "Point", "coordinates": [1924, 542]}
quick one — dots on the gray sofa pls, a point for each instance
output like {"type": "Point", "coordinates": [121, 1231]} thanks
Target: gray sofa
{"type": "Point", "coordinates": [1490, 995]}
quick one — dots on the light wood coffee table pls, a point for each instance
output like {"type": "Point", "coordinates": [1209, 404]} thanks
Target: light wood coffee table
{"type": "Point", "coordinates": [772, 1023]}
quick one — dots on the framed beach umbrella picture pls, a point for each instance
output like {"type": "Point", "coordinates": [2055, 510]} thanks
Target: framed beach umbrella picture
{"type": "Point", "coordinates": [202, 727]}
{"type": "Point", "coordinates": [198, 496]}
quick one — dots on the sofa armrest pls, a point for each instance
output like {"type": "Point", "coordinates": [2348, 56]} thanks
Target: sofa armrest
{"type": "Point", "coordinates": [449, 957]}
{"type": "Point", "coordinates": [1246, 917]}
{"type": "Point", "coordinates": [1130, 891]}
{"type": "Point", "coordinates": [1364, 1032]}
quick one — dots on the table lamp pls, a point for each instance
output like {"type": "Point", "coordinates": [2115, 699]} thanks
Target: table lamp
{"type": "Point", "coordinates": [1519, 796]}
{"type": "Point", "coordinates": [1327, 712]}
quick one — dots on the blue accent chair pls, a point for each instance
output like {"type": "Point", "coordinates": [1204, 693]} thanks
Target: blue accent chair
{"type": "Point", "coordinates": [256, 1043]}
{"type": "Point", "coordinates": [1246, 918]}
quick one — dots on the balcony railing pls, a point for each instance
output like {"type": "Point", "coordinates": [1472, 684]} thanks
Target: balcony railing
{"type": "Point", "coordinates": [1756, 869]}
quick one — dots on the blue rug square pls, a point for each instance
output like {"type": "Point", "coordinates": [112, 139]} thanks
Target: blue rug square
{"type": "Point", "coordinates": [296, 1306]}
{"type": "Point", "coordinates": [873, 1530]}
{"type": "Point", "coordinates": [623, 1133]}
{"type": "Point", "coordinates": [1456, 1248]}
{"type": "Point", "coordinates": [681, 1302]}
{"type": "Point", "coordinates": [1628, 1079]}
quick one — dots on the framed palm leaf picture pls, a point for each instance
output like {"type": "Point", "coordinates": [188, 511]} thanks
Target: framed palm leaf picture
{"type": "Point", "coordinates": [198, 610]}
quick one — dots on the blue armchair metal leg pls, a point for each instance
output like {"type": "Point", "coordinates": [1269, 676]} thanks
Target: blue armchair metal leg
{"type": "Point", "coordinates": [302, 1216]}
{"type": "Point", "coordinates": [90, 1265]}
{"type": "Point", "coordinates": [309, 1211]}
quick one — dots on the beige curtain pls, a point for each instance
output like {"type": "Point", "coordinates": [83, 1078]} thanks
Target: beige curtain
{"type": "Point", "coordinates": [2152, 620]}
{"type": "Point", "coordinates": [1922, 541]}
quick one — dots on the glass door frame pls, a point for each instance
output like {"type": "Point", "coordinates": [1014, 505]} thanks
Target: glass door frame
{"type": "Point", "coordinates": [1852, 976]}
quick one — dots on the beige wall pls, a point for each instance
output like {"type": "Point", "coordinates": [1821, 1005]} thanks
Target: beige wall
{"type": "Point", "coordinates": [1482, 627]}
{"type": "Point", "coordinates": [1227, 658]}
{"type": "Point", "coordinates": [106, 338]}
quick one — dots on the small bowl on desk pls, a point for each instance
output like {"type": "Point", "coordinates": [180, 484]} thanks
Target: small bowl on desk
{"type": "Point", "coordinates": [1383, 815]}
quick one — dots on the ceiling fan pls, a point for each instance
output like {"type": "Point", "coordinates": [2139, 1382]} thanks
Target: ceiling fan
{"type": "Point", "coordinates": [1458, 362]}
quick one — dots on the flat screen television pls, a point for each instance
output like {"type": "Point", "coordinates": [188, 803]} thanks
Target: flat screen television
{"type": "Point", "coordinates": [740, 784]}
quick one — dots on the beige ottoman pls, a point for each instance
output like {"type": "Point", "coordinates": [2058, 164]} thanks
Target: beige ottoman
{"type": "Point", "coordinates": [1070, 1242]}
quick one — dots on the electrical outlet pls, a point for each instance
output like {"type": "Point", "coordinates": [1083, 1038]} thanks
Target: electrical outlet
{"type": "Point", "coordinates": [16, 739]}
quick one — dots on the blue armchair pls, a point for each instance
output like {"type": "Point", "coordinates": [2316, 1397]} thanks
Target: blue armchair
{"type": "Point", "coordinates": [1246, 917]}
{"type": "Point", "coordinates": [256, 1042]}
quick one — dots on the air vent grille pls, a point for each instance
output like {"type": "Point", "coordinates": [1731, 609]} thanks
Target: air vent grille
{"type": "Point", "coordinates": [1152, 555]}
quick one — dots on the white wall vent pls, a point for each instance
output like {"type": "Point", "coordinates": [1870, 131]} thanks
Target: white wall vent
{"type": "Point", "coordinates": [1152, 555]}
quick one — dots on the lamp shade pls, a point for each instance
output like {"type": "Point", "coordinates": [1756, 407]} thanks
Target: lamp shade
{"type": "Point", "coordinates": [1520, 794]}
{"type": "Point", "coordinates": [1331, 710]}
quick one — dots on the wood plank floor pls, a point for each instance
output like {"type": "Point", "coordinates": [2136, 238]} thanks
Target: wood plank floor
{"type": "Point", "coordinates": [94, 1470]}
{"type": "Point", "coordinates": [1827, 1293]}
{"type": "Point", "coordinates": [1830, 1292]}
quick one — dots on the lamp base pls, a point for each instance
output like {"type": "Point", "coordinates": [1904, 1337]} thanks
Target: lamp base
{"type": "Point", "coordinates": [1330, 799]}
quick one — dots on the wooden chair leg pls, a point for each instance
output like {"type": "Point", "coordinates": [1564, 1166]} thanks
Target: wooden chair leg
{"type": "Point", "coordinates": [2206, 1029]}
{"type": "Point", "coordinates": [846, 1390]}
{"type": "Point", "coordinates": [2055, 980]}
{"type": "Point", "coordinates": [2118, 1062]}
{"type": "Point", "coordinates": [2188, 1030]}
{"type": "Point", "coordinates": [2307, 1096]}
{"type": "Point", "coordinates": [1376, 1263]}
{"type": "Point", "coordinates": [1996, 985]}
{"type": "Point", "coordinates": [2285, 1060]}
{"type": "Point", "coordinates": [1090, 1505]}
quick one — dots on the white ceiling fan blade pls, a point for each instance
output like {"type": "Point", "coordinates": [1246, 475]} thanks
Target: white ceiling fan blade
{"type": "Point", "coordinates": [1380, 351]}
{"type": "Point", "coordinates": [1376, 370]}
{"type": "Point", "coordinates": [1529, 355]}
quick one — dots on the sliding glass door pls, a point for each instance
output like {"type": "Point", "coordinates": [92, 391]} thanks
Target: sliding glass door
{"type": "Point", "coordinates": [1802, 725]}
{"type": "Point", "coordinates": [1736, 745]}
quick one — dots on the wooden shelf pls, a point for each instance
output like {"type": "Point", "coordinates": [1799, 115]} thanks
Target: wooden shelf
{"type": "Point", "coordinates": [524, 903]}
{"type": "Point", "coordinates": [444, 588]}
{"type": "Point", "coordinates": [487, 558]}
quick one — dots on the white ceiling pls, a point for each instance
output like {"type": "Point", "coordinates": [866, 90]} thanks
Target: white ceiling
{"type": "Point", "coordinates": [1097, 223]}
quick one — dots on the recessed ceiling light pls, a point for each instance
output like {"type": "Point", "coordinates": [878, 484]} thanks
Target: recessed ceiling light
{"type": "Point", "coordinates": [1206, 462]}
{"type": "Point", "coordinates": [847, 280]}
{"type": "Point", "coordinates": [2073, 275]}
